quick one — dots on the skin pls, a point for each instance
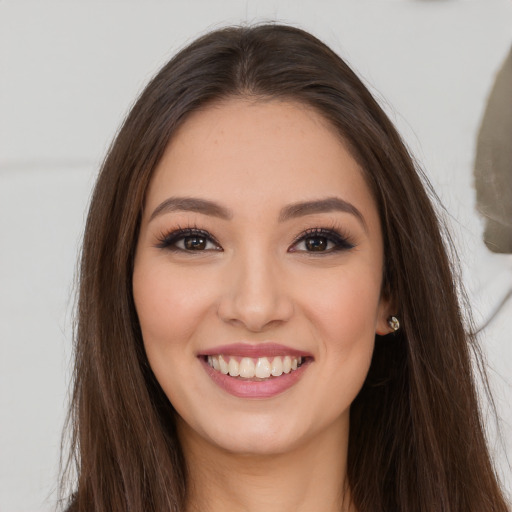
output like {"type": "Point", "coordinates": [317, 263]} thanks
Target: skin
{"type": "Point", "coordinates": [255, 283]}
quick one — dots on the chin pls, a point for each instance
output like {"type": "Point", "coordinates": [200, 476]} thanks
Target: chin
{"type": "Point", "coordinates": [257, 445]}
{"type": "Point", "coordinates": [248, 436]}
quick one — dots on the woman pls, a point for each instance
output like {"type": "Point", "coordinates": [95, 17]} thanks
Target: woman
{"type": "Point", "coordinates": [267, 316]}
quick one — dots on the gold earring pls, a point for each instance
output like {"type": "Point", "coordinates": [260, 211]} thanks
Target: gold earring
{"type": "Point", "coordinates": [394, 323]}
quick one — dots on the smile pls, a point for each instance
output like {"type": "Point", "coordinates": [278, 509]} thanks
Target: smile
{"type": "Point", "coordinates": [255, 371]}
{"type": "Point", "coordinates": [250, 368]}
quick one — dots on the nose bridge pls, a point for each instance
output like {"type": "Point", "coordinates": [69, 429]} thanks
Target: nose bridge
{"type": "Point", "coordinates": [255, 292]}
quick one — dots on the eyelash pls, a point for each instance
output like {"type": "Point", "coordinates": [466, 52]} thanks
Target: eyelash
{"type": "Point", "coordinates": [168, 241]}
{"type": "Point", "coordinates": [334, 235]}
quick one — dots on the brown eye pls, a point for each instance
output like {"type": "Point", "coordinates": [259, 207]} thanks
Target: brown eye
{"type": "Point", "coordinates": [317, 243]}
{"type": "Point", "coordinates": [321, 240]}
{"type": "Point", "coordinates": [189, 240]}
{"type": "Point", "coordinates": [194, 243]}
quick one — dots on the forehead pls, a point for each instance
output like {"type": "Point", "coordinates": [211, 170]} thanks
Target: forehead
{"type": "Point", "coordinates": [258, 154]}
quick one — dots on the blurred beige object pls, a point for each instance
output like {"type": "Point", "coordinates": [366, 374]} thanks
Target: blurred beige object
{"type": "Point", "coordinates": [493, 163]}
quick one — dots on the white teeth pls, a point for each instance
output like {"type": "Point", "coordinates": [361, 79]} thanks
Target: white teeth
{"type": "Point", "coordinates": [277, 367]}
{"type": "Point", "coordinates": [233, 367]}
{"type": "Point", "coordinates": [262, 368]}
{"type": "Point", "coordinates": [249, 368]}
{"type": "Point", "coordinates": [224, 367]}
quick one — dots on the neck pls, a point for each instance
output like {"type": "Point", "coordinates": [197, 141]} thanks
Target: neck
{"type": "Point", "coordinates": [309, 477]}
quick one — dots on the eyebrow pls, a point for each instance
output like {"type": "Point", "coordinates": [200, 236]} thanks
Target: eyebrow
{"type": "Point", "coordinates": [191, 204]}
{"type": "Point", "coordinates": [330, 204]}
{"type": "Point", "coordinates": [292, 211]}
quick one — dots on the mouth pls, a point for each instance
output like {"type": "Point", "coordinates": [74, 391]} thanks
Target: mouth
{"type": "Point", "coordinates": [255, 371]}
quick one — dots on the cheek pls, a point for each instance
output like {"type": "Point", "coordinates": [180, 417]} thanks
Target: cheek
{"type": "Point", "coordinates": [343, 312]}
{"type": "Point", "coordinates": [169, 304]}
{"type": "Point", "coordinates": [344, 305]}
{"type": "Point", "coordinates": [347, 330]}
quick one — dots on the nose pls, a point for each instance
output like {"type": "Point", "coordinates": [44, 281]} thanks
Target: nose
{"type": "Point", "coordinates": [254, 294]}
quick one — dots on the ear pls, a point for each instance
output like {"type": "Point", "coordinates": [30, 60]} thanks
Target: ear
{"type": "Point", "coordinates": [385, 311]}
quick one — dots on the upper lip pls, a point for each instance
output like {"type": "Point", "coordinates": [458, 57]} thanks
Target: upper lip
{"type": "Point", "coordinates": [254, 350]}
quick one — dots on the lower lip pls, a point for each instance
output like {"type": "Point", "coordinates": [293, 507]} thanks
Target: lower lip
{"type": "Point", "coordinates": [247, 388]}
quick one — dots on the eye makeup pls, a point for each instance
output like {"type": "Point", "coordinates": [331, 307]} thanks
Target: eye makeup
{"type": "Point", "coordinates": [314, 241]}
{"type": "Point", "coordinates": [320, 240]}
{"type": "Point", "coordinates": [188, 240]}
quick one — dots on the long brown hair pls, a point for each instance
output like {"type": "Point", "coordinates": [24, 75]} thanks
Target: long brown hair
{"type": "Point", "coordinates": [416, 437]}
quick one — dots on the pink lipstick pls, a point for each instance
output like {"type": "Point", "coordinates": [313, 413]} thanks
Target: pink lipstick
{"type": "Point", "coordinates": [255, 370]}
{"type": "Point", "coordinates": [258, 350]}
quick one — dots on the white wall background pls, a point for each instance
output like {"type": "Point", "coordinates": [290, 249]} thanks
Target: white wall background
{"type": "Point", "coordinates": [68, 73]}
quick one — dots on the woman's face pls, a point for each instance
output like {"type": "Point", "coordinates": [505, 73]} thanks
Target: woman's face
{"type": "Point", "coordinates": [257, 277]}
